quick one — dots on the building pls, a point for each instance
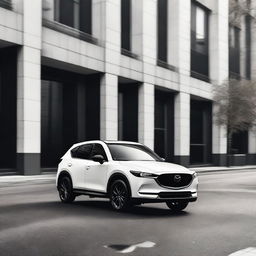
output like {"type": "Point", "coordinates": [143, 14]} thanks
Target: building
{"type": "Point", "coordinates": [74, 70]}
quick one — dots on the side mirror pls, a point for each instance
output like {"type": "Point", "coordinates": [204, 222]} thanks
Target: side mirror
{"type": "Point", "coordinates": [98, 158]}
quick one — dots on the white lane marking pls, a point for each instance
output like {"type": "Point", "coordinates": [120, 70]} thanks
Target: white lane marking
{"type": "Point", "coordinates": [132, 248]}
{"type": "Point", "coordinates": [250, 251]}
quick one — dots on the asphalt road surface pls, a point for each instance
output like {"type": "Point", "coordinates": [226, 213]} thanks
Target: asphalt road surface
{"type": "Point", "coordinates": [223, 221]}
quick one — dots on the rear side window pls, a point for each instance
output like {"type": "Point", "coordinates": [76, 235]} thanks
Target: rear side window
{"type": "Point", "coordinates": [82, 152]}
{"type": "Point", "coordinates": [99, 150]}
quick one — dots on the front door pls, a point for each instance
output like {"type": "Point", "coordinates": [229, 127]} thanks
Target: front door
{"type": "Point", "coordinates": [96, 173]}
{"type": "Point", "coordinates": [81, 159]}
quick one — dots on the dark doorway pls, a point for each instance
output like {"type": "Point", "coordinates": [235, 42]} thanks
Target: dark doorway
{"type": "Point", "coordinates": [8, 107]}
{"type": "Point", "coordinates": [70, 112]}
{"type": "Point", "coordinates": [164, 124]}
{"type": "Point", "coordinates": [239, 143]}
{"type": "Point", "coordinates": [200, 132]}
{"type": "Point", "coordinates": [128, 112]}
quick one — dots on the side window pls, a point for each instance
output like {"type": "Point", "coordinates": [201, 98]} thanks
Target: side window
{"type": "Point", "coordinates": [82, 152]}
{"type": "Point", "coordinates": [99, 150]}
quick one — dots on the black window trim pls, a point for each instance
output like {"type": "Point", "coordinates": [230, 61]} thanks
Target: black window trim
{"type": "Point", "coordinates": [73, 150]}
{"type": "Point", "coordinates": [106, 160]}
{"type": "Point", "coordinates": [77, 147]}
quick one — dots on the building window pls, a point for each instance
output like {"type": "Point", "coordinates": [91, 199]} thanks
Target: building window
{"type": "Point", "coordinates": [199, 42]}
{"type": "Point", "coordinates": [234, 52]}
{"type": "Point", "coordinates": [248, 46]}
{"type": "Point", "coordinates": [126, 25]}
{"type": "Point", "coordinates": [162, 30]}
{"type": "Point", "coordinates": [6, 4]}
{"type": "Point", "coordinates": [75, 13]}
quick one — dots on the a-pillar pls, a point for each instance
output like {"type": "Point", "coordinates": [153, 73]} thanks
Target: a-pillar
{"type": "Point", "coordinates": [29, 91]}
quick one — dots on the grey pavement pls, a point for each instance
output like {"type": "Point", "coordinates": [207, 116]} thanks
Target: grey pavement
{"type": "Point", "coordinates": [222, 221]}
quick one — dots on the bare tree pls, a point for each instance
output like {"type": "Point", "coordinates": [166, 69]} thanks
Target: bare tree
{"type": "Point", "coordinates": [237, 9]}
{"type": "Point", "coordinates": [236, 107]}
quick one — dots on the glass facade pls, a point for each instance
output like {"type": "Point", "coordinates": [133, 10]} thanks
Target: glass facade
{"type": "Point", "coordinates": [162, 30]}
{"type": "Point", "coordinates": [75, 13]}
{"type": "Point", "coordinates": [126, 25]}
{"type": "Point", "coordinates": [199, 42]}
{"type": "Point", "coordinates": [234, 52]}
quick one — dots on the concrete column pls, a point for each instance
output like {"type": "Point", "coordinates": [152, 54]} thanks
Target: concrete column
{"type": "Point", "coordinates": [107, 28]}
{"type": "Point", "coordinates": [251, 157]}
{"type": "Point", "coordinates": [182, 128]}
{"type": "Point", "coordinates": [242, 48]}
{"type": "Point", "coordinates": [29, 90]}
{"type": "Point", "coordinates": [136, 29]}
{"type": "Point", "coordinates": [146, 114]}
{"type": "Point", "coordinates": [179, 35]}
{"type": "Point", "coordinates": [48, 9]}
{"type": "Point", "coordinates": [109, 107]}
{"type": "Point", "coordinates": [144, 40]}
{"type": "Point", "coordinates": [252, 133]}
{"type": "Point", "coordinates": [219, 142]}
{"type": "Point", "coordinates": [253, 45]}
{"type": "Point", "coordinates": [219, 72]}
{"type": "Point", "coordinates": [148, 36]}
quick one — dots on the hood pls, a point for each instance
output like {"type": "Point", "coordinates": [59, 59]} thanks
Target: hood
{"type": "Point", "coordinates": [155, 167]}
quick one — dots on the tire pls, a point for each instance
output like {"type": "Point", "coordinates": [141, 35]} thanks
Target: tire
{"type": "Point", "coordinates": [119, 195]}
{"type": "Point", "coordinates": [65, 189]}
{"type": "Point", "coordinates": [177, 206]}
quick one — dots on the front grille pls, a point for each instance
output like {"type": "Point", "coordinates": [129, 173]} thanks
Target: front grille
{"type": "Point", "coordinates": [175, 194]}
{"type": "Point", "coordinates": [174, 180]}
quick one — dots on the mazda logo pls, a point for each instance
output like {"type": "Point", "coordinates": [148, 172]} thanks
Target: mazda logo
{"type": "Point", "coordinates": [177, 178]}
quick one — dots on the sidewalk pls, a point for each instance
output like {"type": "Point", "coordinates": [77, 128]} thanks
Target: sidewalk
{"type": "Point", "coordinates": [208, 169]}
{"type": "Point", "coordinates": [22, 178]}
{"type": "Point", "coordinates": [51, 177]}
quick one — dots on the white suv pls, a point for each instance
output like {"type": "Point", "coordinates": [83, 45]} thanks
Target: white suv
{"type": "Point", "coordinates": [125, 172]}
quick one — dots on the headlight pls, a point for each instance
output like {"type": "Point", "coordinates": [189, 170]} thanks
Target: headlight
{"type": "Point", "coordinates": [194, 175]}
{"type": "Point", "coordinates": [144, 174]}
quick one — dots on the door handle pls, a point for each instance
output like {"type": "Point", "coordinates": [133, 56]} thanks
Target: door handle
{"type": "Point", "coordinates": [69, 165]}
{"type": "Point", "coordinates": [87, 168]}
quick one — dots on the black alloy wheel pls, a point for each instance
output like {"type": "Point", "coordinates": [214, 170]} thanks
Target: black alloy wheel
{"type": "Point", "coordinates": [119, 195]}
{"type": "Point", "coordinates": [66, 190]}
{"type": "Point", "coordinates": [177, 206]}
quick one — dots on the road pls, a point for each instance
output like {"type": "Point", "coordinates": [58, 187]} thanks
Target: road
{"type": "Point", "coordinates": [223, 221]}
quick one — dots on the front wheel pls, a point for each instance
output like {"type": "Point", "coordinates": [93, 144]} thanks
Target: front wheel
{"type": "Point", "coordinates": [119, 195]}
{"type": "Point", "coordinates": [177, 206]}
{"type": "Point", "coordinates": [66, 190]}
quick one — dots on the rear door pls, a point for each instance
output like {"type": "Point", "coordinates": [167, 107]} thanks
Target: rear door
{"type": "Point", "coordinates": [80, 160]}
{"type": "Point", "coordinates": [96, 173]}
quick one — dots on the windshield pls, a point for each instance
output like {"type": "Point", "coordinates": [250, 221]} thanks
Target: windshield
{"type": "Point", "coordinates": [132, 152]}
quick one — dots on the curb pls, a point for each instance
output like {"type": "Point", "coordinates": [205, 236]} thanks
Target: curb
{"type": "Point", "coordinates": [223, 169]}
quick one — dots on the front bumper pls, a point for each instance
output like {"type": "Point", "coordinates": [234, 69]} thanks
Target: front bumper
{"type": "Point", "coordinates": [148, 190]}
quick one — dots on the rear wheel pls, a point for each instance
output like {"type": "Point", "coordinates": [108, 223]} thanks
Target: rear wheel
{"type": "Point", "coordinates": [119, 195]}
{"type": "Point", "coordinates": [177, 206]}
{"type": "Point", "coordinates": [66, 190]}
